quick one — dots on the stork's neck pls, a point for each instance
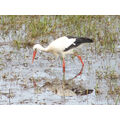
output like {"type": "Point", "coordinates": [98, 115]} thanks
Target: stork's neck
{"type": "Point", "coordinates": [40, 48]}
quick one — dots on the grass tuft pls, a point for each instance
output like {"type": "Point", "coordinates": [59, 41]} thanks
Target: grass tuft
{"type": "Point", "coordinates": [104, 29]}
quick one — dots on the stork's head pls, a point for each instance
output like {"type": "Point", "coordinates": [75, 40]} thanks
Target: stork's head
{"type": "Point", "coordinates": [35, 48]}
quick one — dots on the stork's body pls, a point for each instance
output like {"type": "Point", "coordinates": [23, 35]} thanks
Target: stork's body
{"type": "Point", "coordinates": [62, 46]}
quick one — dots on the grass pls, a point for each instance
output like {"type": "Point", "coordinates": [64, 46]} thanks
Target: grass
{"type": "Point", "coordinates": [97, 89]}
{"type": "Point", "coordinates": [117, 99]}
{"type": "Point", "coordinates": [111, 76]}
{"type": "Point", "coordinates": [108, 73]}
{"type": "Point", "coordinates": [103, 29]}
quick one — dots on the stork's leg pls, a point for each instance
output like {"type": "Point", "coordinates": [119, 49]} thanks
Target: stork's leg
{"type": "Point", "coordinates": [79, 57]}
{"type": "Point", "coordinates": [63, 65]}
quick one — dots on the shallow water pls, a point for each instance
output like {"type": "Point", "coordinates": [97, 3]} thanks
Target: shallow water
{"type": "Point", "coordinates": [17, 74]}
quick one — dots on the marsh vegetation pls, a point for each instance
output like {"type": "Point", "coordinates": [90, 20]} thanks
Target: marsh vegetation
{"type": "Point", "coordinates": [102, 59]}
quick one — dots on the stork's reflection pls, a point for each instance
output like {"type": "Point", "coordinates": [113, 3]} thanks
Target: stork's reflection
{"type": "Point", "coordinates": [78, 74]}
{"type": "Point", "coordinates": [70, 85]}
{"type": "Point", "coordinates": [65, 87]}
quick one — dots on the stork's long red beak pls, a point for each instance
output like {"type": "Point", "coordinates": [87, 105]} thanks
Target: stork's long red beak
{"type": "Point", "coordinates": [34, 53]}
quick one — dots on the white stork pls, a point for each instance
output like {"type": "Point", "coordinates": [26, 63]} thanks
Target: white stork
{"type": "Point", "coordinates": [62, 46]}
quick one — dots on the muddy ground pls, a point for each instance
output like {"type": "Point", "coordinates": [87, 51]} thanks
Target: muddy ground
{"type": "Point", "coordinates": [98, 84]}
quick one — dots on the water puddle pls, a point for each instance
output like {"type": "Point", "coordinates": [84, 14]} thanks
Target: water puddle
{"type": "Point", "coordinates": [98, 84]}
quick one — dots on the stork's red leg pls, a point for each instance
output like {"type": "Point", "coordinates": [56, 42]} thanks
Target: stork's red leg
{"type": "Point", "coordinates": [63, 65]}
{"type": "Point", "coordinates": [79, 57]}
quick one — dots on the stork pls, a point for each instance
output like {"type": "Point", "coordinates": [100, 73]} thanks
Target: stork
{"type": "Point", "coordinates": [62, 46]}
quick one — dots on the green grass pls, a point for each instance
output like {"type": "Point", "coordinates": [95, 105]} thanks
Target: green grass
{"type": "Point", "coordinates": [103, 29]}
{"type": "Point", "coordinates": [108, 73]}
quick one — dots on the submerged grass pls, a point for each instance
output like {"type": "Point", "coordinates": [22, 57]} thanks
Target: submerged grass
{"type": "Point", "coordinates": [107, 74]}
{"type": "Point", "coordinates": [103, 29]}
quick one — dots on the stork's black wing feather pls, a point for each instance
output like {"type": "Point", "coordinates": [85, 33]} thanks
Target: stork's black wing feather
{"type": "Point", "coordinates": [78, 41]}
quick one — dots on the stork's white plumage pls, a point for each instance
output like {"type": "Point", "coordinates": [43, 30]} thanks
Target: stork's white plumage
{"type": "Point", "coordinates": [62, 46]}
